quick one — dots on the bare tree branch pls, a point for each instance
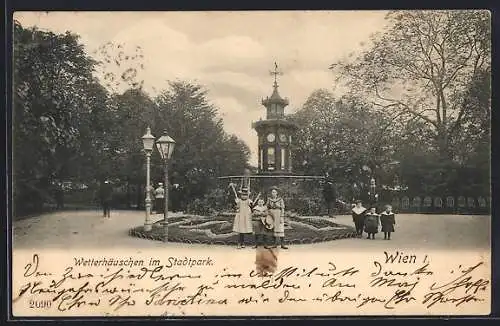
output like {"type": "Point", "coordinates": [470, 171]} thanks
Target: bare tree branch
{"type": "Point", "coordinates": [406, 108]}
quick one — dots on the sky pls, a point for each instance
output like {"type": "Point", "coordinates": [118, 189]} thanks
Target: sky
{"type": "Point", "coordinates": [230, 53]}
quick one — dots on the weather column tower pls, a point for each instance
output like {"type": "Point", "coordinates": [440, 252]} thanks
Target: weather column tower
{"type": "Point", "coordinates": [275, 134]}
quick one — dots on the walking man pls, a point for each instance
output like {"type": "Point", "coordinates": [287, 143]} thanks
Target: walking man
{"type": "Point", "coordinates": [106, 197]}
{"type": "Point", "coordinates": [59, 196]}
{"type": "Point", "coordinates": [330, 196]}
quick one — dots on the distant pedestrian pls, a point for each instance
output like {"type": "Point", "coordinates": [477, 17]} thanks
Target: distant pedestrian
{"type": "Point", "coordinates": [372, 222]}
{"type": "Point", "coordinates": [388, 220]}
{"type": "Point", "coordinates": [330, 196]}
{"type": "Point", "coordinates": [160, 199]}
{"type": "Point", "coordinates": [355, 192]}
{"type": "Point", "coordinates": [106, 194]}
{"type": "Point", "coordinates": [373, 193]}
{"type": "Point", "coordinates": [175, 197]}
{"type": "Point", "coordinates": [59, 196]}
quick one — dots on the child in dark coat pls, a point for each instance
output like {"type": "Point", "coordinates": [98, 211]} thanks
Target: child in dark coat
{"type": "Point", "coordinates": [372, 222]}
{"type": "Point", "coordinates": [388, 220]}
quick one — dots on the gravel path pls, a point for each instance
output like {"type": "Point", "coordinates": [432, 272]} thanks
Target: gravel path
{"type": "Point", "coordinates": [88, 229]}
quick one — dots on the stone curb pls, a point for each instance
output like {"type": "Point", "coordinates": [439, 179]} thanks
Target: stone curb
{"type": "Point", "coordinates": [140, 233]}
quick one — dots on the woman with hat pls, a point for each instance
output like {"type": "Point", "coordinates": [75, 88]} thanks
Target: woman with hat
{"type": "Point", "coordinates": [276, 206]}
{"type": "Point", "coordinates": [243, 219]}
{"type": "Point", "coordinates": [160, 199]}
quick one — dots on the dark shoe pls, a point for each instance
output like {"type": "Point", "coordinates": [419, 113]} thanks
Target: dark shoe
{"type": "Point", "coordinates": [284, 247]}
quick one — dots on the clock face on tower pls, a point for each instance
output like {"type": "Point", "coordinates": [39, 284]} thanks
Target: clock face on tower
{"type": "Point", "coordinates": [283, 138]}
{"type": "Point", "coordinates": [271, 137]}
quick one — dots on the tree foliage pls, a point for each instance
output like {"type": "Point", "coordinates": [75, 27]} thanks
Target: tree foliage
{"type": "Point", "coordinates": [430, 71]}
{"type": "Point", "coordinates": [422, 65]}
{"type": "Point", "coordinates": [204, 150]}
{"type": "Point", "coordinates": [55, 93]}
{"type": "Point", "coordinates": [342, 136]}
{"type": "Point", "coordinates": [70, 125]}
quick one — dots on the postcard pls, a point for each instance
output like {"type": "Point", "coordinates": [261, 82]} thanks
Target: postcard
{"type": "Point", "coordinates": [251, 163]}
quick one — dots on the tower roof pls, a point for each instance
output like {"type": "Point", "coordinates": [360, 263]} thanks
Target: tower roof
{"type": "Point", "coordinates": [276, 94]}
{"type": "Point", "coordinates": [275, 98]}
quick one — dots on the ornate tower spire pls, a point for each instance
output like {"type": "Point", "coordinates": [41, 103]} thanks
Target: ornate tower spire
{"type": "Point", "coordinates": [275, 104]}
{"type": "Point", "coordinates": [276, 73]}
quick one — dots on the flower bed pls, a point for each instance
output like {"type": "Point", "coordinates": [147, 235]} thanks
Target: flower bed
{"type": "Point", "coordinates": [317, 222]}
{"type": "Point", "coordinates": [218, 230]}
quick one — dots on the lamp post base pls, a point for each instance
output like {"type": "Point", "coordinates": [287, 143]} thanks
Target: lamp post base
{"type": "Point", "coordinates": [164, 225]}
{"type": "Point", "coordinates": [147, 223]}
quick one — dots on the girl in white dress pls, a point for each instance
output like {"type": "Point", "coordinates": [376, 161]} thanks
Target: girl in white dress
{"type": "Point", "coordinates": [243, 219]}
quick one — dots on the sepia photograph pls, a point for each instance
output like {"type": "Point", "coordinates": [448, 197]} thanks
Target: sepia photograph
{"type": "Point", "coordinates": [251, 163]}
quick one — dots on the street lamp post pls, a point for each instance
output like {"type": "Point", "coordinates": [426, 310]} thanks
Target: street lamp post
{"type": "Point", "coordinates": [148, 142]}
{"type": "Point", "coordinates": [165, 145]}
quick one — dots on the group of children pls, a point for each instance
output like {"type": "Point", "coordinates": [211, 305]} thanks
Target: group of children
{"type": "Point", "coordinates": [264, 219]}
{"type": "Point", "coordinates": [370, 222]}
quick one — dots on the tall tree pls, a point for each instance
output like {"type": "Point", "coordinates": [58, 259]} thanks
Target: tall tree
{"type": "Point", "coordinates": [342, 136]}
{"type": "Point", "coordinates": [422, 65]}
{"type": "Point", "coordinates": [204, 150]}
{"type": "Point", "coordinates": [54, 95]}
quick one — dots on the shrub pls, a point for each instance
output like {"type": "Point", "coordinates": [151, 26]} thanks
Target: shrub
{"type": "Point", "coordinates": [212, 203]}
{"type": "Point", "coordinates": [307, 206]}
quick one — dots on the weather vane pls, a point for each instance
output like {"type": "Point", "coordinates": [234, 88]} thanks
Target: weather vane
{"type": "Point", "coordinates": [276, 73]}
